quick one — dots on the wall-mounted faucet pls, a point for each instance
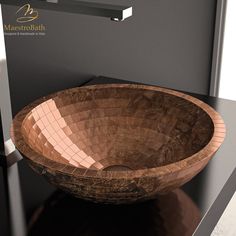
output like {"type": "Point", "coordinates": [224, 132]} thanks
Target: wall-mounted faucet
{"type": "Point", "coordinates": [114, 12]}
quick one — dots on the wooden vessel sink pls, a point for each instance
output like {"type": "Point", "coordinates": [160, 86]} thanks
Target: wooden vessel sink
{"type": "Point", "coordinates": [118, 143]}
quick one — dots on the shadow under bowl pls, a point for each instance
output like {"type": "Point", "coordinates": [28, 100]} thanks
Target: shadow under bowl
{"type": "Point", "coordinates": [118, 143]}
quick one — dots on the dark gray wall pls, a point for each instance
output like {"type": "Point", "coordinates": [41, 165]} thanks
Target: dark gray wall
{"type": "Point", "coordinates": [166, 42]}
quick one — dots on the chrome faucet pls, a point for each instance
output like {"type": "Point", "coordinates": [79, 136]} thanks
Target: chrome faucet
{"type": "Point", "coordinates": [114, 12]}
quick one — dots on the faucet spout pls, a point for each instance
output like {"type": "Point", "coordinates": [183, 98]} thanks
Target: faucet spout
{"type": "Point", "coordinates": [114, 12]}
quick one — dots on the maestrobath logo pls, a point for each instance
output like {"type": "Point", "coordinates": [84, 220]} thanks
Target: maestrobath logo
{"type": "Point", "coordinates": [26, 14]}
{"type": "Point", "coordinates": [25, 23]}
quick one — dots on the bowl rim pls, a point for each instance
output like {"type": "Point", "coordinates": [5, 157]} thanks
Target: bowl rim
{"type": "Point", "coordinates": [47, 164]}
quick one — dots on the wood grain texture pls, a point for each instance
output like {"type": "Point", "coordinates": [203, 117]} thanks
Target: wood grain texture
{"type": "Point", "coordinates": [118, 143]}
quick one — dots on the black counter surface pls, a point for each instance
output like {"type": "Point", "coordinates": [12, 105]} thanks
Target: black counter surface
{"type": "Point", "coordinates": [193, 209]}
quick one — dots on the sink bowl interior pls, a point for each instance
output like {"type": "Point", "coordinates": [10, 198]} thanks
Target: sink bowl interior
{"type": "Point", "coordinates": [116, 128]}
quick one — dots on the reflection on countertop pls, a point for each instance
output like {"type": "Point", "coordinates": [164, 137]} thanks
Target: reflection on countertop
{"type": "Point", "coordinates": [172, 214]}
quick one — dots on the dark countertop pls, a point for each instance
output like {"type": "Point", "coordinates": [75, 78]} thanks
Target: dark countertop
{"type": "Point", "coordinates": [205, 188]}
{"type": "Point", "coordinates": [196, 207]}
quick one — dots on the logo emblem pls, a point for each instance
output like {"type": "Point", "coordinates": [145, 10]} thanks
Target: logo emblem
{"type": "Point", "coordinates": [26, 14]}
